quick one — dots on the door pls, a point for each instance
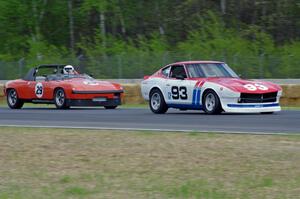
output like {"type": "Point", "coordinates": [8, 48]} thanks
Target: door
{"type": "Point", "coordinates": [36, 89]}
{"type": "Point", "coordinates": [179, 90]}
{"type": "Point", "coordinates": [40, 88]}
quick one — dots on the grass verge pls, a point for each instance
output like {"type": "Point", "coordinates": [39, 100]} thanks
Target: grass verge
{"type": "Point", "coordinates": [65, 163]}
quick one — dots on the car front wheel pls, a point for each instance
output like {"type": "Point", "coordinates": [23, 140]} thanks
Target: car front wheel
{"type": "Point", "coordinates": [157, 103]}
{"type": "Point", "coordinates": [211, 103]}
{"type": "Point", "coordinates": [60, 99]}
{"type": "Point", "coordinates": [13, 101]}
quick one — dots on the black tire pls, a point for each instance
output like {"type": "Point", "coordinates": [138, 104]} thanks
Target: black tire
{"type": "Point", "coordinates": [157, 102]}
{"type": "Point", "coordinates": [13, 101]}
{"type": "Point", "coordinates": [60, 99]}
{"type": "Point", "coordinates": [211, 103]}
{"type": "Point", "coordinates": [110, 107]}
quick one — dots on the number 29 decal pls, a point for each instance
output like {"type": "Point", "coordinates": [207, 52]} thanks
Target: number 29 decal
{"type": "Point", "coordinates": [179, 92]}
{"type": "Point", "coordinates": [39, 90]}
{"type": "Point", "coordinates": [254, 87]}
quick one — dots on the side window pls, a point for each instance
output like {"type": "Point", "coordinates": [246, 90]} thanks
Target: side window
{"type": "Point", "coordinates": [177, 71]}
{"type": "Point", "coordinates": [41, 74]}
{"type": "Point", "coordinates": [39, 77]}
{"type": "Point", "coordinates": [166, 71]}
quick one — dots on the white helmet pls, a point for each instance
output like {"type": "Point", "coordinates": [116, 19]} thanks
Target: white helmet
{"type": "Point", "coordinates": [68, 69]}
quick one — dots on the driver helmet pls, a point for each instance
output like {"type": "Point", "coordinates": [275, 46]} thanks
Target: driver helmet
{"type": "Point", "coordinates": [68, 69]}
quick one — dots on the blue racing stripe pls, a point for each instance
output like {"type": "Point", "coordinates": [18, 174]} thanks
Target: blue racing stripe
{"type": "Point", "coordinates": [194, 96]}
{"type": "Point", "coordinates": [198, 97]}
{"type": "Point", "coordinates": [185, 106]}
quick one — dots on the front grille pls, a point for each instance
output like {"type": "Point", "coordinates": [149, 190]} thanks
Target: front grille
{"type": "Point", "coordinates": [257, 98]}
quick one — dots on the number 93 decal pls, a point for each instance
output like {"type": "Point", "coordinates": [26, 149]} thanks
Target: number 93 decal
{"type": "Point", "coordinates": [179, 92]}
{"type": "Point", "coordinates": [254, 87]}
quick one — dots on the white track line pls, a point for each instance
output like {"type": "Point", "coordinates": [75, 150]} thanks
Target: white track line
{"type": "Point", "coordinates": [145, 129]}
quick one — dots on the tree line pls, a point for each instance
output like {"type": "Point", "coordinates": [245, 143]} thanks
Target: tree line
{"type": "Point", "coordinates": [131, 38]}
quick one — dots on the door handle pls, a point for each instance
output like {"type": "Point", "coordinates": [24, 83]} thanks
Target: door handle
{"type": "Point", "coordinates": [167, 84]}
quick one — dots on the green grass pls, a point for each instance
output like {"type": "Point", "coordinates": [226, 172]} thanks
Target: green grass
{"type": "Point", "coordinates": [66, 163]}
{"type": "Point", "coordinates": [134, 106]}
{"type": "Point", "coordinates": [291, 108]}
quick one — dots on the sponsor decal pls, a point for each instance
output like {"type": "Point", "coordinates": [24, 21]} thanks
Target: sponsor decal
{"type": "Point", "coordinates": [169, 95]}
{"type": "Point", "coordinates": [39, 91]}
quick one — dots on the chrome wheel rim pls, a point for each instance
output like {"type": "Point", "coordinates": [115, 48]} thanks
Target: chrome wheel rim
{"type": "Point", "coordinates": [12, 97]}
{"type": "Point", "coordinates": [210, 102]}
{"type": "Point", "coordinates": [155, 101]}
{"type": "Point", "coordinates": [60, 98]}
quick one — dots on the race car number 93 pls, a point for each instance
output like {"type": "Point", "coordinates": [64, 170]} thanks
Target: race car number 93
{"type": "Point", "coordinates": [179, 92]}
{"type": "Point", "coordinates": [254, 87]}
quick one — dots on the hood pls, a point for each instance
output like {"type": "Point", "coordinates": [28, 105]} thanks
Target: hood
{"type": "Point", "coordinates": [246, 86]}
{"type": "Point", "coordinates": [92, 85]}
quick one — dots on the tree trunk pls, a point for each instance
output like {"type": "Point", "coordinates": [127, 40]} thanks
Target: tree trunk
{"type": "Point", "coordinates": [160, 27]}
{"type": "Point", "coordinates": [123, 28]}
{"type": "Point", "coordinates": [121, 17]}
{"type": "Point", "coordinates": [102, 28]}
{"type": "Point", "coordinates": [223, 6]}
{"type": "Point", "coordinates": [36, 31]}
{"type": "Point", "coordinates": [38, 17]}
{"type": "Point", "coordinates": [71, 25]}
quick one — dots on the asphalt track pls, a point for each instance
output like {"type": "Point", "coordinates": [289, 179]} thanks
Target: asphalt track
{"type": "Point", "coordinates": [144, 119]}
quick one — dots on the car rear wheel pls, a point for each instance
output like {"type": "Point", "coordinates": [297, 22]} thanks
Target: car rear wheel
{"type": "Point", "coordinates": [110, 107]}
{"type": "Point", "coordinates": [157, 103]}
{"type": "Point", "coordinates": [60, 99]}
{"type": "Point", "coordinates": [211, 103]}
{"type": "Point", "coordinates": [13, 100]}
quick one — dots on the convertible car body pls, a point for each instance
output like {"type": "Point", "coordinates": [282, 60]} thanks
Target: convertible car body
{"type": "Point", "coordinates": [210, 86]}
{"type": "Point", "coordinates": [47, 84]}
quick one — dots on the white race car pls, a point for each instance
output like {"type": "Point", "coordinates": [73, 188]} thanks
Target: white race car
{"type": "Point", "coordinates": [210, 86]}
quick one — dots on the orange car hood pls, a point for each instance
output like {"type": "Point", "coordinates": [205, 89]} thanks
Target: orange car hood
{"type": "Point", "coordinates": [92, 84]}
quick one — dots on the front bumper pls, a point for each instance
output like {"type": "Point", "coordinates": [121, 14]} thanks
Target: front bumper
{"type": "Point", "coordinates": [252, 108]}
{"type": "Point", "coordinates": [90, 102]}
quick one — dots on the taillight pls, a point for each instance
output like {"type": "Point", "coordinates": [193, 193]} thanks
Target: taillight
{"type": "Point", "coordinates": [116, 95]}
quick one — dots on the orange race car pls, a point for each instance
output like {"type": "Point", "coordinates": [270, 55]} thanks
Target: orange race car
{"type": "Point", "coordinates": [63, 86]}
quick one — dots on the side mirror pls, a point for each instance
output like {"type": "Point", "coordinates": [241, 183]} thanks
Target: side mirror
{"type": "Point", "coordinates": [181, 77]}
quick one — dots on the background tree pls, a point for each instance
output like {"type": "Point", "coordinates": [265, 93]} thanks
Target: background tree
{"type": "Point", "coordinates": [130, 38]}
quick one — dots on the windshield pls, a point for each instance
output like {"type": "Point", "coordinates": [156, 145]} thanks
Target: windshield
{"type": "Point", "coordinates": [55, 77]}
{"type": "Point", "coordinates": [210, 70]}
{"type": "Point", "coordinates": [83, 76]}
